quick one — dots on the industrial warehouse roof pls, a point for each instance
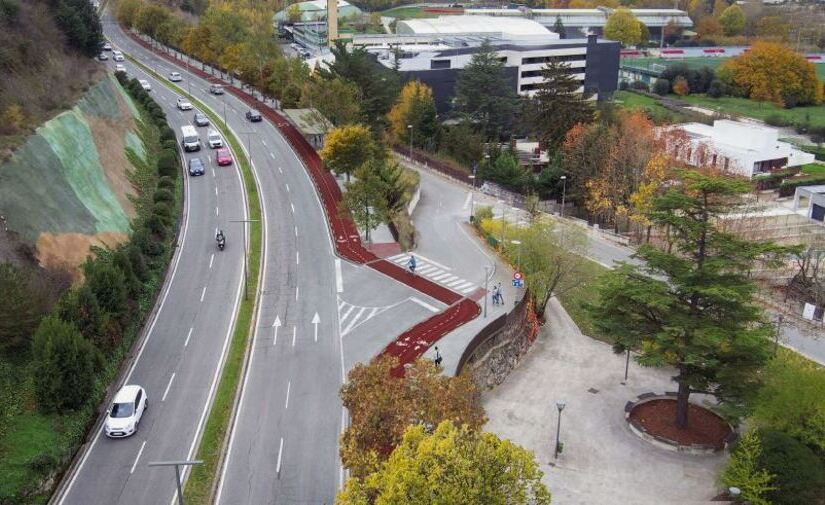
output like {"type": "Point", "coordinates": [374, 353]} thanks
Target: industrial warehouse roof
{"type": "Point", "coordinates": [511, 28]}
{"type": "Point", "coordinates": [588, 18]}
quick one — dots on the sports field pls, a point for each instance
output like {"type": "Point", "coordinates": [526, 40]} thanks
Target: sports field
{"type": "Point", "coordinates": [698, 62]}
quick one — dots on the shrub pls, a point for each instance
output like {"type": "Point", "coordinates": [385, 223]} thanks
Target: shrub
{"type": "Point", "coordinates": [788, 187]}
{"type": "Point", "coordinates": [482, 213]}
{"type": "Point", "coordinates": [680, 86]}
{"type": "Point", "coordinates": [64, 366]}
{"type": "Point", "coordinates": [799, 473]}
{"type": "Point", "coordinates": [744, 471]}
{"type": "Point", "coordinates": [777, 120]}
{"type": "Point", "coordinates": [640, 85]}
{"type": "Point", "coordinates": [168, 164]}
{"type": "Point", "coordinates": [163, 195]}
{"type": "Point", "coordinates": [108, 284]}
{"type": "Point", "coordinates": [661, 87]}
{"type": "Point", "coordinates": [167, 183]}
{"type": "Point", "coordinates": [771, 181]}
{"type": "Point", "coordinates": [168, 133]}
{"type": "Point", "coordinates": [716, 89]}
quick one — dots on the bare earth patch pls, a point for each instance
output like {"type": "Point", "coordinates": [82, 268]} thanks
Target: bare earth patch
{"type": "Point", "coordinates": [69, 250]}
{"type": "Point", "coordinates": [704, 427]}
{"type": "Point", "coordinates": [109, 138]}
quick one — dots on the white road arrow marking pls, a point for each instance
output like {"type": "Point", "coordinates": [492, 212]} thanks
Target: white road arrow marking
{"type": "Point", "coordinates": [276, 325]}
{"type": "Point", "coordinates": [315, 321]}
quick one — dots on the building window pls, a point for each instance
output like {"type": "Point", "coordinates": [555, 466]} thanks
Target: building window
{"type": "Point", "coordinates": [439, 64]}
{"type": "Point", "coordinates": [544, 59]}
{"type": "Point", "coordinates": [537, 73]}
{"type": "Point", "coordinates": [529, 87]}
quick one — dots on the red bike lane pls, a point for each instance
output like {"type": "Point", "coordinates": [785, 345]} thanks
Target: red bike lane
{"type": "Point", "coordinates": [413, 342]}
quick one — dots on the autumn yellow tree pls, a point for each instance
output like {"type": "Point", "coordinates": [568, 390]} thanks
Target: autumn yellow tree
{"type": "Point", "coordinates": [347, 148]}
{"type": "Point", "coordinates": [382, 406]}
{"type": "Point", "coordinates": [415, 107]}
{"type": "Point", "coordinates": [681, 86]}
{"type": "Point", "coordinates": [451, 465]}
{"type": "Point", "coordinates": [772, 72]}
{"type": "Point", "coordinates": [708, 27]}
{"type": "Point", "coordinates": [622, 26]}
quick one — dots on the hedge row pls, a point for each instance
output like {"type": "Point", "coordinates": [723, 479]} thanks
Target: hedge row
{"type": "Point", "coordinates": [78, 348]}
{"type": "Point", "coordinates": [788, 186]}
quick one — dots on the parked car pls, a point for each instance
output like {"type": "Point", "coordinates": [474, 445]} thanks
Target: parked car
{"type": "Point", "coordinates": [126, 411]}
{"type": "Point", "coordinates": [223, 157]}
{"type": "Point", "coordinates": [175, 77]}
{"type": "Point", "coordinates": [145, 84]}
{"type": "Point", "coordinates": [118, 56]}
{"type": "Point", "coordinates": [214, 139]}
{"type": "Point", "coordinates": [196, 167]}
{"type": "Point", "coordinates": [201, 119]}
{"type": "Point", "coordinates": [102, 57]}
{"type": "Point", "coordinates": [184, 104]}
{"type": "Point", "coordinates": [216, 89]}
{"type": "Point", "coordinates": [253, 115]}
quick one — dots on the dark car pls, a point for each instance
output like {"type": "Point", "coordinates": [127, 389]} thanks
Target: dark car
{"type": "Point", "coordinates": [253, 115]}
{"type": "Point", "coordinates": [195, 166]}
{"type": "Point", "coordinates": [201, 119]}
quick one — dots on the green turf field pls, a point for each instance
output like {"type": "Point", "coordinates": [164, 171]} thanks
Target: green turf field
{"type": "Point", "coordinates": [695, 63]}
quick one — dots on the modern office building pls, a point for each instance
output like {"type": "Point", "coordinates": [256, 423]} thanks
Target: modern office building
{"type": "Point", "coordinates": [436, 50]}
{"type": "Point", "coordinates": [743, 148]}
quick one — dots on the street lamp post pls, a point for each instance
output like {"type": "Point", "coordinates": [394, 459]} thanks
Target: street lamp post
{"type": "Point", "coordinates": [245, 254]}
{"type": "Point", "coordinates": [560, 407]}
{"type": "Point", "coordinates": [410, 127]}
{"type": "Point", "coordinates": [177, 465]}
{"type": "Point", "coordinates": [563, 193]}
{"type": "Point", "coordinates": [518, 260]}
{"type": "Point", "coordinates": [626, 365]}
{"type": "Point", "coordinates": [473, 196]}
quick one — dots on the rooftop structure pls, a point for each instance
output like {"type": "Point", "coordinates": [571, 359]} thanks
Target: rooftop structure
{"type": "Point", "coordinates": [746, 149]}
{"type": "Point", "coordinates": [512, 29]}
{"type": "Point", "coordinates": [316, 10]}
{"type": "Point", "coordinates": [589, 18]}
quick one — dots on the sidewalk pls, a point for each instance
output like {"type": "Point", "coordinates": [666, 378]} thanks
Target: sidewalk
{"type": "Point", "coordinates": [603, 463]}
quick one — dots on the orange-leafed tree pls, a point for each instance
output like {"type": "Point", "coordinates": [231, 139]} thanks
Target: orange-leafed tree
{"type": "Point", "coordinates": [772, 72]}
{"type": "Point", "coordinates": [415, 107]}
{"type": "Point", "coordinates": [382, 406]}
{"type": "Point", "coordinates": [681, 86]}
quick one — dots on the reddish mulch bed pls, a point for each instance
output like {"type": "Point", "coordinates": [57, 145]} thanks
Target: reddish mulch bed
{"type": "Point", "coordinates": [704, 427]}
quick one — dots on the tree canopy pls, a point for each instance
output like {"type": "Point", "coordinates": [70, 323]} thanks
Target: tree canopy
{"type": "Point", "coordinates": [451, 465]}
{"type": "Point", "coordinates": [347, 148]}
{"type": "Point", "coordinates": [732, 20]}
{"type": "Point", "coordinates": [415, 107]}
{"type": "Point", "coordinates": [690, 305]}
{"type": "Point", "coordinates": [557, 105]}
{"type": "Point", "coordinates": [483, 94]}
{"type": "Point", "coordinates": [622, 26]}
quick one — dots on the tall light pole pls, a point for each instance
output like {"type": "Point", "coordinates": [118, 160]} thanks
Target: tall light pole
{"type": "Point", "coordinates": [410, 127]}
{"type": "Point", "coordinates": [473, 195]}
{"type": "Point", "coordinates": [560, 406]}
{"type": "Point", "coordinates": [563, 193]}
{"type": "Point", "coordinates": [518, 261]}
{"type": "Point", "coordinates": [245, 255]}
{"type": "Point", "coordinates": [177, 465]}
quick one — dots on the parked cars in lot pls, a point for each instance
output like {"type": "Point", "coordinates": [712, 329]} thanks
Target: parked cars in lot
{"type": "Point", "coordinates": [253, 115]}
{"type": "Point", "coordinates": [216, 89]}
{"type": "Point", "coordinates": [201, 119]}
{"type": "Point", "coordinates": [118, 56]}
{"type": "Point", "coordinates": [175, 77]}
{"type": "Point", "coordinates": [124, 415]}
{"type": "Point", "coordinates": [223, 157]}
{"type": "Point", "coordinates": [184, 104]}
{"type": "Point", "coordinates": [214, 139]}
{"type": "Point", "coordinates": [196, 167]}
{"type": "Point", "coordinates": [145, 84]}
{"type": "Point", "coordinates": [120, 68]}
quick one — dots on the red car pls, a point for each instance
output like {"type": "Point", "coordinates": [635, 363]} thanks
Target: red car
{"type": "Point", "coordinates": [223, 157]}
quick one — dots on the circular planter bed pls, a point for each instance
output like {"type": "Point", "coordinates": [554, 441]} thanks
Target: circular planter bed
{"type": "Point", "coordinates": [652, 418]}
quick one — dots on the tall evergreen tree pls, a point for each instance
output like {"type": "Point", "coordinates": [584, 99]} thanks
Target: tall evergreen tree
{"type": "Point", "coordinates": [690, 305]}
{"type": "Point", "coordinates": [483, 94]}
{"type": "Point", "coordinates": [559, 28]}
{"type": "Point", "coordinates": [80, 23]}
{"type": "Point", "coordinates": [558, 105]}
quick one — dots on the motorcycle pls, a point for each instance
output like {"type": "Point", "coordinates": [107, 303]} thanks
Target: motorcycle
{"type": "Point", "coordinates": [221, 242]}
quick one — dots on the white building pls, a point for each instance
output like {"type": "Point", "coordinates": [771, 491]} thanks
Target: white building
{"type": "Point", "coordinates": [743, 148]}
{"type": "Point", "coordinates": [815, 197]}
{"type": "Point", "coordinates": [509, 28]}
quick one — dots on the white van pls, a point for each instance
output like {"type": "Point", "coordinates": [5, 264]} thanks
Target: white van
{"type": "Point", "coordinates": [213, 138]}
{"type": "Point", "coordinates": [191, 141]}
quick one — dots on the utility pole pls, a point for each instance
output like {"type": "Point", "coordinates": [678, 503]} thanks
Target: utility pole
{"type": "Point", "coordinates": [177, 465]}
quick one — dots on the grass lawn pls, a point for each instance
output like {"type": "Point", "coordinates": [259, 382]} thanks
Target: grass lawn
{"type": "Point", "coordinates": [696, 63]}
{"type": "Point", "coordinates": [574, 300]}
{"type": "Point", "coordinates": [409, 13]}
{"type": "Point", "coordinates": [813, 169]}
{"type": "Point", "coordinates": [759, 110]}
{"type": "Point", "coordinates": [658, 114]}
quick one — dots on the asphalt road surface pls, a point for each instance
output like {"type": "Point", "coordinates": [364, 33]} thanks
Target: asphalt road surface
{"type": "Point", "coordinates": [284, 443]}
{"type": "Point", "coordinates": [180, 359]}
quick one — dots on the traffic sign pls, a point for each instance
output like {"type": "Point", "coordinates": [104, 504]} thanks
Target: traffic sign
{"type": "Point", "coordinates": [518, 283]}
{"type": "Point", "coordinates": [517, 276]}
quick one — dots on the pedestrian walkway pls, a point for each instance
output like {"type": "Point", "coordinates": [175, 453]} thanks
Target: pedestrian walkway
{"type": "Point", "coordinates": [436, 272]}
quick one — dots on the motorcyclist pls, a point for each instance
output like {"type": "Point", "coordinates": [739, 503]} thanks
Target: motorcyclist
{"type": "Point", "coordinates": [220, 238]}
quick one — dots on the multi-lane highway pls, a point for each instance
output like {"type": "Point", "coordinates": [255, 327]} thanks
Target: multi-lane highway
{"type": "Point", "coordinates": [284, 442]}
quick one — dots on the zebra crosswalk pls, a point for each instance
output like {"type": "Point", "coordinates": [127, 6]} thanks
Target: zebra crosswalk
{"type": "Point", "coordinates": [436, 272]}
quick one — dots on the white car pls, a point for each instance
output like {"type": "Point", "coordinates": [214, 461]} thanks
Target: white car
{"type": "Point", "coordinates": [145, 84]}
{"type": "Point", "coordinates": [175, 77]}
{"type": "Point", "coordinates": [127, 408]}
{"type": "Point", "coordinates": [214, 139]}
{"type": "Point", "coordinates": [107, 46]}
{"type": "Point", "coordinates": [120, 68]}
{"type": "Point", "coordinates": [118, 56]}
{"type": "Point", "coordinates": [183, 104]}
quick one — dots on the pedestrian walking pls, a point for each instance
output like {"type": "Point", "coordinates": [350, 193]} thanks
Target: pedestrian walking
{"type": "Point", "coordinates": [495, 295]}
{"type": "Point", "coordinates": [411, 264]}
{"type": "Point", "coordinates": [437, 357]}
{"type": "Point", "coordinates": [500, 296]}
